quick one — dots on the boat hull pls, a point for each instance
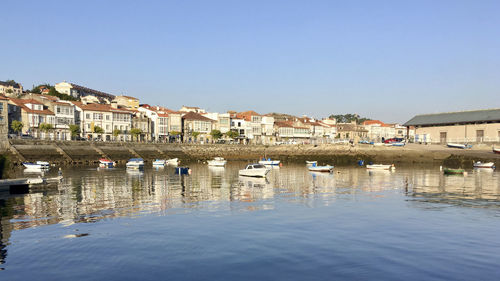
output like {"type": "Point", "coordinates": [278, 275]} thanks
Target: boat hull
{"type": "Point", "coordinates": [269, 162]}
{"type": "Point", "coordinates": [484, 165]}
{"type": "Point", "coordinates": [323, 169]}
{"type": "Point", "coordinates": [453, 171]}
{"type": "Point", "coordinates": [217, 163]}
{"type": "Point", "coordinates": [259, 173]}
{"type": "Point", "coordinates": [496, 150]}
{"type": "Point", "coordinates": [378, 167]}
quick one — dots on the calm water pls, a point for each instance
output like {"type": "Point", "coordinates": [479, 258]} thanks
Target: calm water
{"type": "Point", "coordinates": [411, 224]}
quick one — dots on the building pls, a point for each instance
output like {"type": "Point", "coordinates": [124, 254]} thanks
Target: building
{"type": "Point", "coordinates": [351, 131]}
{"type": "Point", "coordinates": [196, 128]}
{"type": "Point", "coordinates": [475, 126]}
{"type": "Point", "coordinates": [10, 88]}
{"type": "Point", "coordinates": [78, 91]}
{"type": "Point", "coordinates": [378, 130]}
{"type": "Point", "coordinates": [159, 121]}
{"type": "Point", "coordinates": [64, 112]}
{"type": "Point", "coordinates": [141, 121]}
{"type": "Point", "coordinates": [127, 102]}
{"type": "Point", "coordinates": [114, 123]}
{"type": "Point", "coordinates": [192, 109]}
{"type": "Point", "coordinates": [32, 114]}
{"type": "Point", "coordinates": [4, 121]}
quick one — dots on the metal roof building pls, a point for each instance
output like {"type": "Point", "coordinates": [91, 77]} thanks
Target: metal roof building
{"type": "Point", "coordinates": [455, 118]}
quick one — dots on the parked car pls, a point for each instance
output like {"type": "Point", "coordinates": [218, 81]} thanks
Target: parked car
{"type": "Point", "coordinates": [393, 140]}
{"type": "Point", "coordinates": [78, 138]}
{"type": "Point", "coordinates": [24, 136]}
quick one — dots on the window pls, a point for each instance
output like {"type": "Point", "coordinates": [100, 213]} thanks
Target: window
{"type": "Point", "coordinates": [87, 115]}
{"type": "Point", "coordinates": [97, 116]}
{"type": "Point", "coordinates": [88, 126]}
{"type": "Point", "coordinates": [108, 117]}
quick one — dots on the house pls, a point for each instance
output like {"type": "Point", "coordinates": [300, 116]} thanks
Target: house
{"type": "Point", "coordinates": [141, 121]}
{"type": "Point", "coordinates": [64, 112]}
{"type": "Point", "coordinates": [192, 109]}
{"type": "Point", "coordinates": [32, 114]}
{"type": "Point", "coordinates": [159, 121]}
{"type": "Point", "coordinates": [351, 131]}
{"type": "Point", "coordinates": [4, 121]}
{"type": "Point", "coordinates": [114, 123]}
{"type": "Point", "coordinates": [287, 130]}
{"type": "Point", "coordinates": [127, 102]}
{"type": "Point", "coordinates": [378, 130]}
{"type": "Point", "coordinates": [78, 91]}
{"type": "Point", "coordinates": [474, 126]}
{"type": "Point", "coordinates": [196, 127]}
{"type": "Point", "coordinates": [10, 88]}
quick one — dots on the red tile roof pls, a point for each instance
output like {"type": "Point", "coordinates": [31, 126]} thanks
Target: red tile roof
{"type": "Point", "coordinates": [22, 104]}
{"type": "Point", "coordinates": [247, 115]}
{"type": "Point", "coordinates": [101, 107]}
{"type": "Point", "coordinates": [196, 116]}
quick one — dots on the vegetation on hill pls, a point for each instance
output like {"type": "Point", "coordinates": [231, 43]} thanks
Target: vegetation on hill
{"type": "Point", "coordinates": [52, 92]}
{"type": "Point", "coordinates": [348, 118]}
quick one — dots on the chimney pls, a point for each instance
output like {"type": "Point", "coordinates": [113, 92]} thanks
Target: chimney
{"type": "Point", "coordinates": [114, 104]}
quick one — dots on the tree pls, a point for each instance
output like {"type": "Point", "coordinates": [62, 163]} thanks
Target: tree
{"type": "Point", "coordinates": [75, 130]}
{"type": "Point", "coordinates": [216, 134]}
{"type": "Point", "coordinates": [98, 130]}
{"type": "Point", "coordinates": [45, 127]}
{"type": "Point", "coordinates": [195, 135]}
{"type": "Point", "coordinates": [232, 134]}
{"type": "Point", "coordinates": [17, 126]}
{"type": "Point", "coordinates": [11, 82]}
{"type": "Point", "coordinates": [55, 93]}
{"type": "Point", "coordinates": [116, 132]}
{"type": "Point", "coordinates": [348, 118]}
{"type": "Point", "coordinates": [135, 132]}
{"type": "Point", "coordinates": [9, 91]}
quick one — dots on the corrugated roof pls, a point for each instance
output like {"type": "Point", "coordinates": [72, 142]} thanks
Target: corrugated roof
{"type": "Point", "coordinates": [448, 118]}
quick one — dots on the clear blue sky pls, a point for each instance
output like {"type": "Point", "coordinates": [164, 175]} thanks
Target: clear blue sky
{"type": "Point", "coordinates": [386, 60]}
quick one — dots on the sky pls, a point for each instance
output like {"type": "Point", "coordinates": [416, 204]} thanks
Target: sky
{"type": "Point", "coordinates": [386, 60]}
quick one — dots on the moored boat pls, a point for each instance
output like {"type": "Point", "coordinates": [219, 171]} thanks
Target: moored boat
{"type": "Point", "coordinates": [254, 170]}
{"type": "Point", "coordinates": [311, 162]}
{"type": "Point", "coordinates": [269, 162]}
{"type": "Point", "coordinates": [36, 166]}
{"type": "Point", "coordinates": [173, 161]}
{"type": "Point", "coordinates": [450, 171]}
{"type": "Point", "coordinates": [106, 163]}
{"type": "Point", "coordinates": [217, 162]}
{"type": "Point", "coordinates": [326, 168]}
{"type": "Point", "coordinates": [159, 163]}
{"type": "Point", "coordinates": [480, 164]}
{"type": "Point", "coordinates": [398, 144]}
{"type": "Point", "coordinates": [496, 150]}
{"type": "Point", "coordinates": [135, 164]}
{"type": "Point", "coordinates": [458, 145]}
{"type": "Point", "coordinates": [380, 167]}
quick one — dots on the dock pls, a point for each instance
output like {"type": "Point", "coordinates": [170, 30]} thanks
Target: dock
{"type": "Point", "coordinates": [21, 184]}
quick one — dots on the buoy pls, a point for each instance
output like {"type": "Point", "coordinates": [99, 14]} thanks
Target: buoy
{"type": "Point", "coordinates": [281, 164]}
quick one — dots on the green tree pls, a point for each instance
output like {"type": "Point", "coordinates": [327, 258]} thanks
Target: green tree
{"type": "Point", "coordinates": [11, 82]}
{"type": "Point", "coordinates": [195, 135]}
{"type": "Point", "coordinates": [348, 118]}
{"type": "Point", "coordinates": [45, 127]}
{"type": "Point", "coordinates": [17, 126]}
{"type": "Point", "coordinates": [9, 91]}
{"type": "Point", "coordinates": [116, 132]}
{"type": "Point", "coordinates": [75, 130]}
{"type": "Point", "coordinates": [232, 134]}
{"type": "Point", "coordinates": [135, 132]}
{"type": "Point", "coordinates": [55, 93]}
{"type": "Point", "coordinates": [216, 134]}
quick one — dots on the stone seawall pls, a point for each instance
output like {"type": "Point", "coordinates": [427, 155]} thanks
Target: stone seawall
{"type": "Point", "coordinates": [87, 153]}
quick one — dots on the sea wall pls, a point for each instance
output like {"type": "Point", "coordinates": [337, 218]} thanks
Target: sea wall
{"type": "Point", "coordinates": [87, 153]}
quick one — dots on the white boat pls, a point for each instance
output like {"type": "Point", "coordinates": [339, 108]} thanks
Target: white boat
{"type": "Point", "coordinates": [173, 161]}
{"type": "Point", "coordinates": [496, 150]}
{"type": "Point", "coordinates": [398, 144]}
{"type": "Point", "coordinates": [269, 162]}
{"type": "Point", "coordinates": [480, 164]}
{"type": "Point", "coordinates": [217, 162]}
{"type": "Point", "coordinates": [159, 163]}
{"type": "Point", "coordinates": [311, 162]}
{"type": "Point", "coordinates": [380, 167]}
{"type": "Point", "coordinates": [458, 145]}
{"type": "Point", "coordinates": [38, 165]}
{"type": "Point", "coordinates": [254, 170]}
{"type": "Point", "coordinates": [326, 168]}
{"type": "Point", "coordinates": [135, 164]}
{"type": "Point", "coordinates": [378, 144]}
{"type": "Point", "coordinates": [106, 163]}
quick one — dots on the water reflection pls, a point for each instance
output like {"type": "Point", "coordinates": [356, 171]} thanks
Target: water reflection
{"type": "Point", "coordinates": [87, 195]}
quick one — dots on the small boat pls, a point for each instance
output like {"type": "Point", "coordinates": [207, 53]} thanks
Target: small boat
{"type": "Point", "coordinates": [380, 167]}
{"type": "Point", "coordinates": [173, 161]}
{"type": "Point", "coordinates": [378, 143]}
{"type": "Point", "coordinates": [326, 168]}
{"type": "Point", "coordinates": [398, 144]}
{"type": "Point", "coordinates": [217, 162]}
{"type": "Point", "coordinates": [311, 162]}
{"type": "Point", "coordinates": [480, 164]}
{"type": "Point", "coordinates": [269, 162]}
{"type": "Point", "coordinates": [38, 165]}
{"type": "Point", "coordinates": [254, 170]}
{"type": "Point", "coordinates": [182, 170]}
{"type": "Point", "coordinates": [496, 150]}
{"type": "Point", "coordinates": [135, 164]}
{"type": "Point", "coordinates": [449, 171]}
{"type": "Point", "coordinates": [458, 145]}
{"type": "Point", "coordinates": [106, 163]}
{"type": "Point", "coordinates": [159, 163]}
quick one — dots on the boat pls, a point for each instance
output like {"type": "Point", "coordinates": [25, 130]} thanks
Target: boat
{"type": "Point", "coordinates": [38, 165]}
{"type": "Point", "coordinates": [458, 145]}
{"type": "Point", "coordinates": [217, 162]}
{"type": "Point", "coordinates": [254, 170]}
{"type": "Point", "coordinates": [173, 161]}
{"type": "Point", "coordinates": [480, 164]}
{"type": "Point", "coordinates": [269, 162]}
{"type": "Point", "coordinates": [496, 150]}
{"type": "Point", "coordinates": [449, 171]}
{"type": "Point", "coordinates": [311, 162]}
{"type": "Point", "coordinates": [378, 143]}
{"type": "Point", "coordinates": [326, 168]}
{"type": "Point", "coordinates": [106, 163]}
{"type": "Point", "coordinates": [398, 144]}
{"type": "Point", "coordinates": [380, 167]}
{"type": "Point", "coordinates": [135, 164]}
{"type": "Point", "coordinates": [182, 170]}
{"type": "Point", "coordinates": [159, 163]}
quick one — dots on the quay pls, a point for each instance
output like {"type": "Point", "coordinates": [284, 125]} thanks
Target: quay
{"type": "Point", "coordinates": [22, 184]}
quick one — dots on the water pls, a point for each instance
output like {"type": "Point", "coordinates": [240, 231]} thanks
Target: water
{"type": "Point", "coordinates": [411, 224]}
